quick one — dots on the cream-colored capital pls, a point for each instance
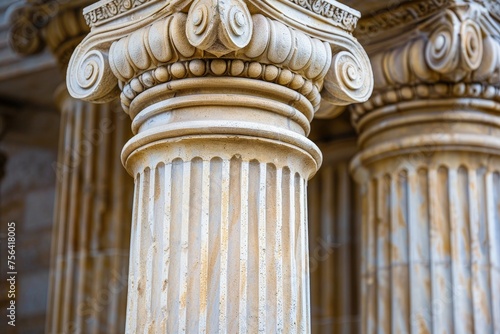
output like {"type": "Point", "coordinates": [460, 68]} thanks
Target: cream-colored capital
{"type": "Point", "coordinates": [429, 168]}
{"type": "Point", "coordinates": [221, 96]}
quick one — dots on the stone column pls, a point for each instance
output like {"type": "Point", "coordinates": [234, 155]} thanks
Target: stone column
{"type": "Point", "coordinates": [91, 235]}
{"type": "Point", "coordinates": [429, 169]}
{"type": "Point", "coordinates": [334, 231]}
{"type": "Point", "coordinates": [91, 239]}
{"type": "Point", "coordinates": [221, 94]}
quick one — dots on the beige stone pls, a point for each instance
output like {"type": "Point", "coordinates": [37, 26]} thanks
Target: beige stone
{"type": "Point", "coordinates": [221, 94]}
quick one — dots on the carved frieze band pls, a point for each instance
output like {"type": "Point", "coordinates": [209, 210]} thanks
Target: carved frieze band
{"type": "Point", "coordinates": [332, 11]}
{"type": "Point", "coordinates": [406, 13]}
{"type": "Point", "coordinates": [493, 8]}
{"type": "Point", "coordinates": [105, 10]}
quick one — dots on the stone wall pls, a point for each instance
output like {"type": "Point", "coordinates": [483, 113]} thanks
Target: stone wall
{"type": "Point", "coordinates": [27, 198]}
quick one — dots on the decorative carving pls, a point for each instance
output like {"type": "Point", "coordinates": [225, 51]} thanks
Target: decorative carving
{"type": "Point", "coordinates": [147, 48]}
{"type": "Point", "coordinates": [454, 48]}
{"type": "Point", "coordinates": [493, 8]}
{"type": "Point", "coordinates": [332, 11]}
{"type": "Point", "coordinates": [424, 92]}
{"type": "Point", "coordinates": [63, 34]}
{"type": "Point", "coordinates": [450, 48]}
{"type": "Point", "coordinates": [293, 50]}
{"type": "Point", "coordinates": [219, 68]}
{"type": "Point", "coordinates": [25, 37]}
{"type": "Point", "coordinates": [346, 80]}
{"type": "Point", "coordinates": [429, 152]}
{"type": "Point", "coordinates": [59, 25]}
{"type": "Point", "coordinates": [274, 43]}
{"type": "Point", "coordinates": [213, 90]}
{"type": "Point", "coordinates": [105, 10]}
{"type": "Point", "coordinates": [219, 27]}
{"type": "Point", "coordinates": [93, 74]}
{"type": "Point", "coordinates": [406, 13]}
{"type": "Point", "coordinates": [224, 28]}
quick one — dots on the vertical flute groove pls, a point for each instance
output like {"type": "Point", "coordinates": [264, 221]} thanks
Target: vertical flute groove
{"type": "Point", "coordinates": [494, 243]}
{"type": "Point", "coordinates": [224, 245]}
{"type": "Point", "coordinates": [244, 232]}
{"type": "Point", "coordinates": [278, 255]}
{"type": "Point", "coordinates": [261, 238]}
{"type": "Point", "coordinates": [72, 217]}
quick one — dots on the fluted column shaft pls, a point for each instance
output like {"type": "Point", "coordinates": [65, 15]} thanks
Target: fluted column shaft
{"type": "Point", "coordinates": [91, 234]}
{"type": "Point", "coordinates": [430, 242]}
{"type": "Point", "coordinates": [219, 233]}
{"type": "Point", "coordinates": [219, 241]}
{"type": "Point", "coordinates": [430, 245]}
{"type": "Point", "coordinates": [88, 285]}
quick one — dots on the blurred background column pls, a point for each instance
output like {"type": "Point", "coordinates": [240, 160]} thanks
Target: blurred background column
{"type": "Point", "coordinates": [90, 243]}
{"type": "Point", "coordinates": [334, 231]}
{"type": "Point", "coordinates": [429, 169]}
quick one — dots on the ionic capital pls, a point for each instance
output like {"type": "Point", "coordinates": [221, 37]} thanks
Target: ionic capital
{"type": "Point", "coordinates": [147, 45]}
